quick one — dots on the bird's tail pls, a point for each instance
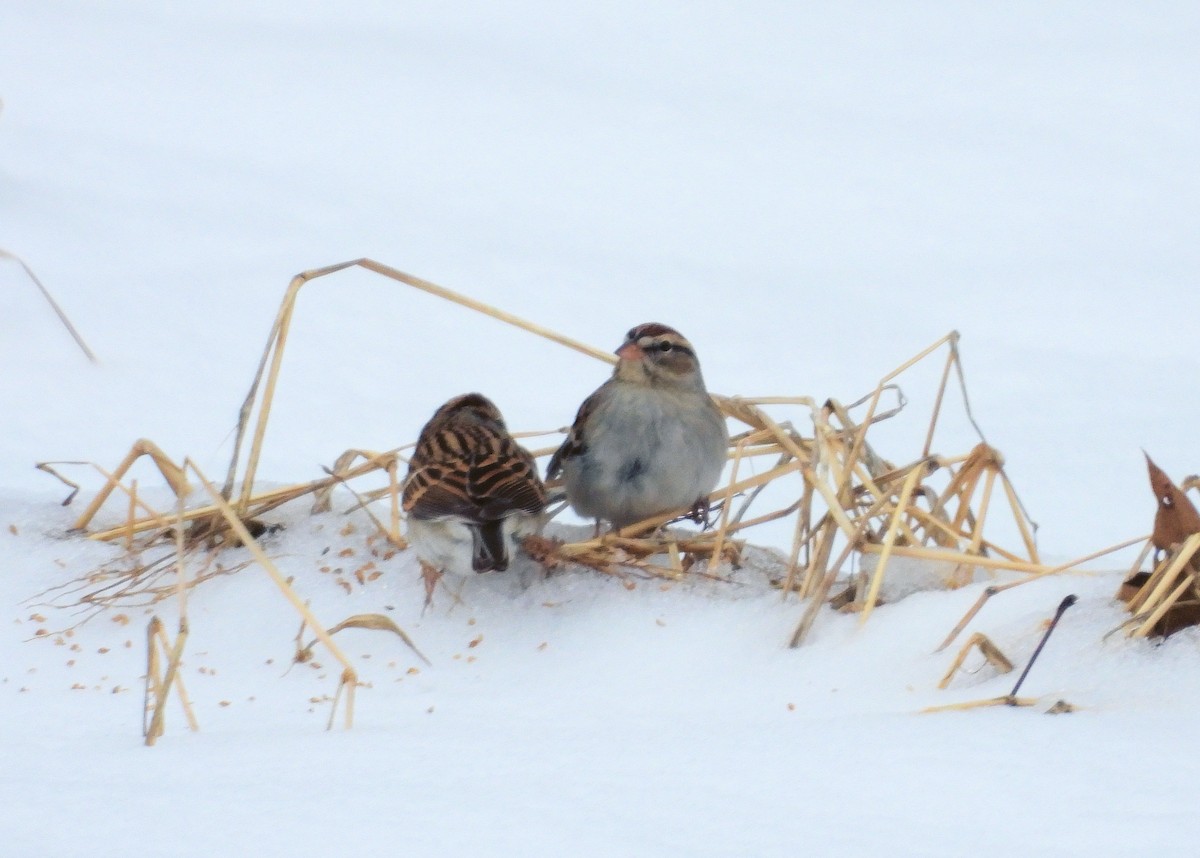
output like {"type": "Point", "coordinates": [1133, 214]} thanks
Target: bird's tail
{"type": "Point", "coordinates": [490, 552]}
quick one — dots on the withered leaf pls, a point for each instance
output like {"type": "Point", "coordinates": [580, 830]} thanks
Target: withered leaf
{"type": "Point", "coordinates": [1176, 518]}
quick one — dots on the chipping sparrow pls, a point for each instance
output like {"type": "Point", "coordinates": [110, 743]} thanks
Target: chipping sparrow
{"type": "Point", "coordinates": [649, 440]}
{"type": "Point", "coordinates": [470, 489]}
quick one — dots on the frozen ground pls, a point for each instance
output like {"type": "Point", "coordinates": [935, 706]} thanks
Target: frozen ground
{"type": "Point", "coordinates": [811, 195]}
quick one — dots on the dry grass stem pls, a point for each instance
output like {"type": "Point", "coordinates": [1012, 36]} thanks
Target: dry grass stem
{"type": "Point", "coordinates": [990, 651]}
{"type": "Point", "coordinates": [62, 317]}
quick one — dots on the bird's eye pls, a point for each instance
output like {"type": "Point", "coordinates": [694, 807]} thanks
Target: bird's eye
{"type": "Point", "coordinates": [665, 347]}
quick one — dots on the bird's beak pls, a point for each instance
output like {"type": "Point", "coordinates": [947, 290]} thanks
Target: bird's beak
{"type": "Point", "coordinates": [630, 351]}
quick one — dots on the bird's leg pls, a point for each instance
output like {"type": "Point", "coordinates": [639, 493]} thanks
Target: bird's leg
{"type": "Point", "coordinates": [596, 530]}
{"type": "Point", "coordinates": [700, 510]}
{"type": "Point", "coordinates": [430, 575]}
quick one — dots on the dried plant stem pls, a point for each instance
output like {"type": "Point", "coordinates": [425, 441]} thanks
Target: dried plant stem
{"type": "Point", "coordinates": [889, 543]}
{"type": "Point", "coordinates": [861, 434]}
{"type": "Point", "coordinates": [142, 447]}
{"type": "Point", "coordinates": [1019, 516]}
{"type": "Point", "coordinates": [62, 317]}
{"type": "Point", "coordinates": [181, 689]}
{"type": "Point", "coordinates": [1062, 609]}
{"type": "Point", "coordinates": [1188, 582]}
{"type": "Point", "coordinates": [719, 542]}
{"type": "Point", "coordinates": [980, 704]}
{"type": "Point", "coordinates": [937, 403]}
{"type": "Point", "coordinates": [990, 651]}
{"type": "Point", "coordinates": [175, 655]}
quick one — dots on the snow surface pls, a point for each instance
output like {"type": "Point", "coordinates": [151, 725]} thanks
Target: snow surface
{"type": "Point", "coordinates": [811, 194]}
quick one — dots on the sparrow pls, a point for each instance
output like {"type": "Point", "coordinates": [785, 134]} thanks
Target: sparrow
{"type": "Point", "coordinates": [649, 440]}
{"type": "Point", "coordinates": [470, 488]}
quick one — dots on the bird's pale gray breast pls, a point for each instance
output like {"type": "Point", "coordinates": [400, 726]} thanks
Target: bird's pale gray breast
{"type": "Point", "coordinates": [648, 454]}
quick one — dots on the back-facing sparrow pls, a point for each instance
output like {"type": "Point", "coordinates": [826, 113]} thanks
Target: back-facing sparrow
{"type": "Point", "coordinates": [649, 440]}
{"type": "Point", "coordinates": [470, 488]}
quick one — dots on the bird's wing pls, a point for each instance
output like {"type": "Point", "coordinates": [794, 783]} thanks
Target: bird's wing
{"type": "Point", "coordinates": [503, 479]}
{"type": "Point", "coordinates": [439, 489]}
{"type": "Point", "coordinates": [574, 444]}
{"type": "Point", "coordinates": [493, 477]}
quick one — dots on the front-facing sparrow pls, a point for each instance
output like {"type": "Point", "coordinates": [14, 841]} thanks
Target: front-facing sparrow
{"type": "Point", "coordinates": [649, 440]}
{"type": "Point", "coordinates": [470, 489]}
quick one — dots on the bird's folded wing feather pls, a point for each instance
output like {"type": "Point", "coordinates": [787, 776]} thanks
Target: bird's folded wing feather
{"type": "Point", "coordinates": [495, 479]}
{"type": "Point", "coordinates": [574, 444]}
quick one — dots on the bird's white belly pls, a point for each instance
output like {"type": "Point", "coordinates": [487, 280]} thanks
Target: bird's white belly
{"type": "Point", "coordinates": [446, 543]}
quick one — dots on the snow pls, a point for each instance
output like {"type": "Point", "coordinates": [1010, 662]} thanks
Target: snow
{"type": "Point", "coordinates": [812, 195]}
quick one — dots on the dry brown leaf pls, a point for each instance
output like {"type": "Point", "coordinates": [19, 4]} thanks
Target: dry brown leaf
{"type": "Point", "coordinates": [1176, 518]}
{"type": "Point", "coordinates": [475, 642]}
